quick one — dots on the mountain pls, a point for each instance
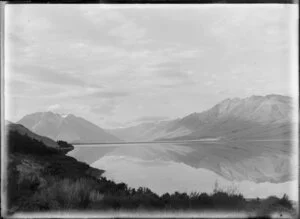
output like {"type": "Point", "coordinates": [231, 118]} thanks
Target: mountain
{"type": "Point", "coordinates": [255, 117]}
{"type": "Point", "coordinates": [144, 132]}
{"type": "Point", "coordinates": [66, 127]}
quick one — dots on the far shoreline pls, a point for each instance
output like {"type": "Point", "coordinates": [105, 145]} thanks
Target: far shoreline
{"type": "Point", "coordinates": [150, 142]}
{"type": "Point", "coordinates": [207, 140]}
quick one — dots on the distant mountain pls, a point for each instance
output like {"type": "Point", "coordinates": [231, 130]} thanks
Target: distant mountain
{"type": "Point", "coordinates": [20, 129]}
{"type": "Point", "coordinates": [255, 117]}
{"type": "Point", "coordinates": [145, 131]}
{"type": "Point", "coordinates": [66, 127]}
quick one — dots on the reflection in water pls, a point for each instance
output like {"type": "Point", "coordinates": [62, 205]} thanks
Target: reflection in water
{"type": "Point", "coordinates": [90, 153]}
{"type": "Point", "coordinates": [257, 168]}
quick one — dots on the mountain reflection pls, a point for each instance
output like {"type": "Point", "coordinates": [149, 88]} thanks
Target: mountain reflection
{"type": "Point", "coordinates": [258, 161]}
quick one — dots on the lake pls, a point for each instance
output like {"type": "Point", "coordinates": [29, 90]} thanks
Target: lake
{"type": "Point", "coordinates": [254, 168]}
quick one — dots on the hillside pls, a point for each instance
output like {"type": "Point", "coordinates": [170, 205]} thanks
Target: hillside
{"type": "Point", "coordinates": [12, 127]}
{"type": "Point", "coordinates": [66, 127]}
{"type": "Point", "coordinates": [255, 117]}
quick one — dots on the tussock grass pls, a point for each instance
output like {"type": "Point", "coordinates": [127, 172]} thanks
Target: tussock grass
{"type": "Point", "coordinates": [66, 194]}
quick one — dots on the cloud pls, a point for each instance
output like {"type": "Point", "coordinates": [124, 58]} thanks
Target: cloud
{"type": "Point", "coordinates": [151, 119]}
{"type": "Point", "coordinates": [16, 39]}
{"type": "Point", "coordinates": [105, 99]}
{"type": "Point", "coordinates": [46, 75]}
{"type": "Point", "coordinates": [209, 83]}
{"type": "Point", "coordinates": [104, 107]}
{"type": "Point", "coordinates": [54, 108]}
{"type": "Point", "coordinates": [68, 108]}
{"type": "Point", "coordinates": [17, 86]}
{"type": "Point", "coordinates": [129, 32]}
{"type": "Point", "coordinates": [172, 72]}
{"type": "Point", "coordinates": [117, 25]}
{"type": "Point", "coordinates": [188, 53]}
{"type": "Point", "coordinates": [99, 15]}
{"type": "Point", "coordinates": [109, 94]}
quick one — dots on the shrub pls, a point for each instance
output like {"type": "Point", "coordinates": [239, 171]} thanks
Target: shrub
{"type": "Point", "coordinates": [28, 182]}
{"type": "Point", "coordinates": [65, 146]}
{"type": "Point", "coordinates": [205, 201]}
{"type": "Point", "coordinates": [285, 202]}
{"type": "Point", "coordinates": [225, 200]}
{"type": "Point", "coordinates": [66, 194]}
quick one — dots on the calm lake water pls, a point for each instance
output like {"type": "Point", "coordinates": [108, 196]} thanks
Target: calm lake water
{"type": "Point", "coordinates": [256, 168]}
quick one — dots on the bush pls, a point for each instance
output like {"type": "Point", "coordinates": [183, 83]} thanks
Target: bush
{"type": "Point", "coordinates": [273, 204]}
{"type": "Point", "coordinates": [205, 201]}
{"type": "Point", "coordinates": [65, 194]}
{"type": "Point", "coordinates": [285, 202]}
{"type": "Point", "coordinates": [228, 201]}
{"type": "Point", "coordinates": [65, 146]}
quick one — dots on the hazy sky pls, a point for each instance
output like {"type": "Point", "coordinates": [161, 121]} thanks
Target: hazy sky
{"type": "Point", "coordinates": [120, 65]}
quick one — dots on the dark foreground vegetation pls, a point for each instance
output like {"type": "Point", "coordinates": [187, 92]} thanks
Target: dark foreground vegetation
{"type": "Point", "coordinates": [42, 179]}
{"type": "Point", "coordinates": [24, 144]}
{"type": "Point", "coordinates": [65, 146]}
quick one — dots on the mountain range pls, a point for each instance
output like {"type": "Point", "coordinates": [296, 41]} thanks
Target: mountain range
{"type": "Point", "coordinates": [68, 128]}
{"type": "Point", "coordinates": [255, 117]}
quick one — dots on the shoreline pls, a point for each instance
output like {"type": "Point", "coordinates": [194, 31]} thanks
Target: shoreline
{"type": "Point", "coordinates": [217, 140]}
